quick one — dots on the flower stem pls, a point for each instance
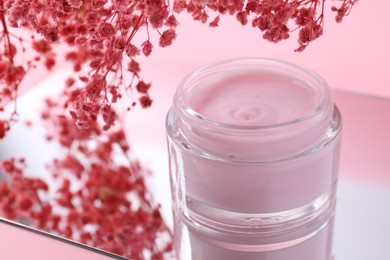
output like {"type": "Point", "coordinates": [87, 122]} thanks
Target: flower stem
{"type": "Point", "coordinates": [6, 34]}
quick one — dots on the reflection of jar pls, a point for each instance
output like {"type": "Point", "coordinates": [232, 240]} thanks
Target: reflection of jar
{"type": "Point", "coordinates": [254, 148]}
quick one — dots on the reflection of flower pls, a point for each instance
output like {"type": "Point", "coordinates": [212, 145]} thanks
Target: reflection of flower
{"type": "Point", "coordinates": [100, 36]}
{"type": "Point", "coordinates": [99, 197]}
{"type": "Point", "coordinates": [4, 127]}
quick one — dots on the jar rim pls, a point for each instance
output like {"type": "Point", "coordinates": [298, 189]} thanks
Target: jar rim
{"type": "Point", "coordinates": [278, 66]}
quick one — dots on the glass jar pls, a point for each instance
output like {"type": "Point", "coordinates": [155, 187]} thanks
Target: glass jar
{"type": "Point", "coordinates": [253, 151]}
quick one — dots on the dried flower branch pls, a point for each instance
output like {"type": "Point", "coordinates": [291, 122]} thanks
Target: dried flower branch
{"type": "Point", "coordinates": [101, 34]}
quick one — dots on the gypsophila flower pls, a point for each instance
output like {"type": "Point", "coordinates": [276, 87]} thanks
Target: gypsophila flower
{"type": "Point", "coordinates": [167, 37]}
{"type": "Point", "coordinates": [4, 127]}
{"type": "Point", "coordinates": [145, 101]}
{"type": "Point", "coordinates": [75, 3]}
{"type": "Point", "coordinates": [147, 48]}
{"type": "Point", "coordinates": [344, 9]}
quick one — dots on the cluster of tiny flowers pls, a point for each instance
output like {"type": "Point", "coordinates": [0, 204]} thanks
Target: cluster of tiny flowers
{"type": "Point", "coordinates": [97, 200]}
{"type": "Point", "coordinates": [11, 73]}
{"type": "Point", "coordinates": [107, 46]}
{"type": "Point", "coordinates": [13, 63]}
{"type": "Point", "coordinates": [21, 196]}
{"type": "Point", "coordinates": [4, 127]}
{"type": "Point", "coordinates": [344, 9]}
{"type": "Point", "coordinates": [276, 19]}
{"type": "Point", "coordinates": [101, 36]}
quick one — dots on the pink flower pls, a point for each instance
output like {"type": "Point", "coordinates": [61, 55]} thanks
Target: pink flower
{"type": "Point", "coordinates": [4, 127]}
{"type": "Point", "coordinates": [97, 4]}
{"type": "Point", "coordinates": [75, 3]}
{"type": "Point", "coordinates": [106, 30]}
{"type": "Point", "coordinates": [167, 37]}
{"type": "Point", "coordinates": [147, 48]}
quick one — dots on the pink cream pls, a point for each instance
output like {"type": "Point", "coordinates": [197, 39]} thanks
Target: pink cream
{"type": "Point", "coordinates": [253, 157]}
